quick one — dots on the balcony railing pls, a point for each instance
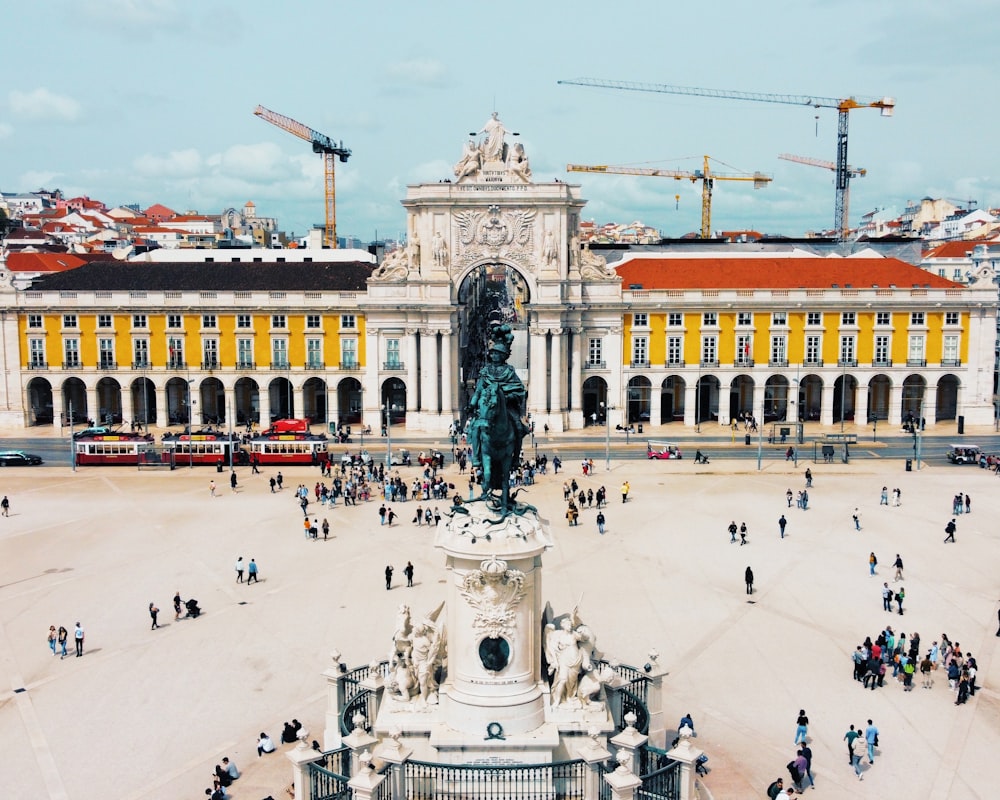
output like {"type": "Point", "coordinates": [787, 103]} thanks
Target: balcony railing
{"type": "Point", "coordinates": [210, 363]}
{"type": "Point", "coordinates": [140, 364]}
{"type": "Point", "coordinates": [951, 362]}
{"type": "Point", "coordinates": [38, 365]}
{"type": "Point", "coordinates": [639, 364]}
{"type": "Point", "coordinates": [279, 365]}
{"type": "Point", "coordinates": [595, 365]}
{"type": "Point", "coordinates": [916, 362]}
{"type": "Point", "coordinates": [778, 362]}
{"type": "Point", "coordinates": [73, 364]}
{"type": "Point", "coordinates": [812, 362]}
{"type": "Point", "coordinates": [107, 363]}
{"type": "Point", "coordinates": [847, 362]}
{"type": "Point", "coordinates": [176, 363]}
{"type": "Point", "coordinates": [243, 364]}
{"type": "Point", "coordinates": [313, 364]}
{"type": "Point", "coordinates": [709, 363]}
{"type": "Point", "coordinates": [393, 365]}
{"type": "Point", "coordinates": [882, 362]}
{"type": "Point", "coordinates": [349, 365]}
{"type": "Point", "coordinates": [674, 362]}
{"type": "Point", "coordinates": [743, 362]}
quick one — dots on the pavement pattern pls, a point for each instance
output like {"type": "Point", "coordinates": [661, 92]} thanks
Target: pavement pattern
{"type": "Point", "coordinates": [148, 713]}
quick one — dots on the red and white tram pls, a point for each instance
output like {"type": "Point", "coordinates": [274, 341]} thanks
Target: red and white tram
{"type": "Point", "coordinates": [113, 449]}
{"type": "Point", "coordinates": [277, 446]}
{"type": "Point", "coordinates": [202, 447]}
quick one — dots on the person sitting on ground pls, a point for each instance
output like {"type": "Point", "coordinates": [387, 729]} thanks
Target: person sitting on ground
{"type": "Point", "coordinates": [264, 744]}
{"type": "Point", "coordinates": [222, 776]}
{"type": "Point", "coordinates": [230, 767]}
{"type": "Point", "coordinates": [288, 734]}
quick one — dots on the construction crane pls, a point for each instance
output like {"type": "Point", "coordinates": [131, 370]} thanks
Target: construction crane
{"type": "Point", "coordinates": [328, 149]}
{"type": "Point", "coordinates": [852, 172]}
{"type": "Point", "coordinates": [844, 106]}
{"type": "Point", "coordinates": [705, 175]}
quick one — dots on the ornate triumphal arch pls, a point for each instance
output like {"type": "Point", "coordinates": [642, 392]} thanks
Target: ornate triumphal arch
{"type": "Point", "coordinates": [487, 244]}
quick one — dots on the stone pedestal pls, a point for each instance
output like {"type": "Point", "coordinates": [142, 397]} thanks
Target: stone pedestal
{"type": "Point", "coordinates": [687, 754]}
{"type": "Point", "coordinates": [301, 757]}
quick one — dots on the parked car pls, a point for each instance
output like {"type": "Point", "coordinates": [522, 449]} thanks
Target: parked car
{"type": "Point", "coordinates": [964, 454]}
{"type": "Point", "coordinates": [18, 458]}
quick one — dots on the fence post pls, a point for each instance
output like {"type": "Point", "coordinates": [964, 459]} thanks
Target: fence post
{"type": "Point", "coordinates": [366, 781]}
{"type": "Point", "coordinates": [629, 740]}
{"type": "Point", "coordinates": [334, 676]}
{"type": "Point", "coordinates": [594, 753]}
{"type": "Point", "coordinates": [654, 701]}
{"type": "Point", "coordinates": [623, 781]}
{"type": "Point", "coordinates": [687, 755]}
{"type": "Point", "coordinates": [359, 740]}
{"type": "Point", "coordinates": [394, 752]}
{"type": "Point", "coordinates": [301, 757]}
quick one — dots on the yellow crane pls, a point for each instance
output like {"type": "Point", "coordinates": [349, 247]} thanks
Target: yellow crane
{"type": "Point", "coordinates": [853, 172]}
{"type": "Point", "coordinates": [843, 105]}
{"type": "Point", "coordinates": [323, 145]}
{"type": "Point", "coordinates": [705, 175]}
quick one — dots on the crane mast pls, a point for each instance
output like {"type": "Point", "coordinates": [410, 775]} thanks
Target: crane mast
{"type": "Point", "coordinates": [843, 105]}
{"type": "Point", "coordinates": [326, 147]}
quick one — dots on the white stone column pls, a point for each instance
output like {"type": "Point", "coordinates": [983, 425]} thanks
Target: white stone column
{"type": "Point", "coordinates": [861, 405]}
{"type": "Point", "coordinates": [654, 701]}
{"type": "Point", "coordinates": [536, 372]}
{"type": "Point", "coordinates": [558, 378]}
{"type": "Point", "coordinates": [128, 412]}
{"type": "Point", "coordinates": [364, 785]}
{"type": "Point", "coordinates": [162, 406]}
{"type": "Point", "coordinates": [690, 402]}
{"type": "Point", "coordinates": [301, 757]}
{"type": "Point", "coordinates": [896, 404]}
{"type": "Point", "coordinates": [595, 754]}
{"type": "Point", "coordinates": [758, 403]}
{"type": "Point", "coordinates": [371, 395]}
{"type": "Point", "coordinates": [623, 781]}
{"type": "Point", "coordinates": [359, 740]}
{"type": "Point", "coordinates": [615, 360]}
{"type": "Point", "coordinates": [412, 376]}
{"type": "Point", "coordinates": [392, 751]}
{"type": "Point", "coordinates": [298, 403]}
{"type": "Point", "coordinates": [447, 375]}
{"type": "Point", "coordinates": [655, 404]}
{"type": "Point", "coordinates": [332, 738]}
{"type": "Point", "coordinates": [826, 412]}
{"type": "Point", "coordinates": [576, 379]}
{"type": "Point", "coordinates": [428, 373]}
{"type": "Point", "coordinates": [94, 406]}
{"type": "Point", "coordinates": [929, 410]}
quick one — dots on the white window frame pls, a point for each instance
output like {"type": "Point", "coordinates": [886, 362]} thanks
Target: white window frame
{"type": "Point", "coordinates": [595, 351]}
{"type": "Point", "coordinates": [279, 353]}
{"type": "Point", "coordinates": [952, 318]}
{"type": "Point", "coordinates": [918, 319]}
{"type": "Point", "coordinates": [314, 352]}
{"type": "Point", "coordinates": [848, 349]}
{"type": "Point", "coordinates": [35, 321]}
{"type": "Point", "coordinates": [675, 319]}
{"type": "Point", "coordinates": [314, 322]}
{"type": "Point", "coordinates": [140, 352]}
{"type": "Point", "coordinates": [348, 322]}
{"type": "Point", "coordinates": [105, 322]}
{"type": "Point", "coordinates": [70, 321]}
{"type": "Point", "coordinates": [279, 322]}
{"type": "Point", "coordinates": [881, 349]}
{"type": "Point", "coordinates": [640, 350]}
{"type": "Point", "coordinates": [813, 352]}
{"type": "Point", "coordinates": [36, 352]}
{"type": "Point", "coordinates": [814, 318]}
{"type": "Point", "coordinates": [209, 322]}
{"type": "Point", "coordinates": [349, 353]}
{"type": "Point", "coordinates": [175, 352]}
{"type": "Point", "coordinates": [210, 352]}
{"type": "Point", "coordinates": [175, 322]}
{"type": "Point", "coordinates": [848, 319]}
{"type": "Point", "coordinates": [883, 319]}
{"type": "Point", "coordinates": [916, 347]}
{"type": "Point", "coordinates": [640, 320]}
{"type": "Point", "coordinates": [744, 349]}
{"type": "Point", "coordinates": [710, 319]}
{"type": "Point", "coordinates": [675, 350]}
{"type": "Point", "coordinates": [140, 322]}
{"type": "Point", "coordinates": [709, 349]}
{"type": "Point", "coordinates": [951, 348]}
{"type": "Point", "coordinates": [779, 349]}
{"type": "Point", "coordinates": [744, 319]}
{"type": "Point", "coordinates": [393, 357]}
{"type": "Point", "coordinates": [244, 353]}
{"type": "Point", "coordinates": [779, 319]}
{"type": "Point", "coordinates": [71, 352]}
{"type": "Point", "coordinates": [244, 322]}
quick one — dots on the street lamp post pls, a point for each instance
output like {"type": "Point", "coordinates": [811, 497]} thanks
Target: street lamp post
{"type": "Point", "coordinates": [607, 437]}
{"type": "Point", "coordinates": [388, 434]}
{"type": "Point", "coordinates": [190, 425]}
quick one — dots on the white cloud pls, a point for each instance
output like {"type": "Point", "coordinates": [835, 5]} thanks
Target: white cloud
{"type": "Point", "coordinates": [37, 179]}
{"type": "Point", "coordinates": [178, 164]}
{"type": "Point", "coordinates": [417, 72]}
{"type": "Point", "coordinates": [42, 104]}
{"type": "Point", "coordinates": [5, 130]}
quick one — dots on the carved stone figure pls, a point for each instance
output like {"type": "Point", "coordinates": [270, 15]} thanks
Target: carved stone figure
{"type": "Point", "coordinates": [471, 163]}
{"type": "Point", "coordinates": [517, 163]}
{"type": "Point", "coordinates": [568, 651]}
{"type": "Point", "coordinates": [493, 145]}
{"type": "Point", "coordinates": [594, 267]}
{"type": "Point", "coordinates": [402, 682]}
{"type": "Point", "coordinates": [401, 636]}
{"type": "Point", "coordinates": [593, 681]}
{"type": "Point", "coordinates": [550, 254]}
{"type": "Point", "coordinates": [425, 659]}
{"type": "Point", "coordinates": [494, 591]}
{"type": "Point", "coordinates": [395, 267]}
{"type": "Point", "coordinates": [414, 247]}
{"type": "Point", "coordinates": [497, 427]}
{"type": "Point", "coordinates": [439, 250]}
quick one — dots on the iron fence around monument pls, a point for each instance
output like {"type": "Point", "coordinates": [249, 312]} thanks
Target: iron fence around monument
{"type": "Point", "coordinates": [663, 784]}
{"type": "Point", "coordinates": [563, 780]}
{"type": "Point", "coordinates": [355, 697]}
{"type": "Point", "coordinates": [324, 784]}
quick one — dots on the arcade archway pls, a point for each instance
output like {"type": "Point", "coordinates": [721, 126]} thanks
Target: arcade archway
{"type": "Point", "coordinates": [595, 399]}
{"type": "Point", "coordinates": [349, 401]}
{"type": "Point", "coordinates": [40, 411]}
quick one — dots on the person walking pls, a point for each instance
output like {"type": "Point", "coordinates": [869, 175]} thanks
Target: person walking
{"type": "Point", "coordinates": [950, 530]}
{"type": "Point", "coordinates": [232, 481]}
{"type": "Point", "coordinates": [78, 638]}
{"type": "Point", "coordinates": [871, 740]}
{"type": "Point", "coordinates": [326, 529]}
{"type": "Point", "coordinates": [732, 536]}
{"type": "Point", "coordinates": [600, 522]}
{"type": "Point", "coordinates": [884, 499]}
{"type": "Point", "coordinates": [388, 577]}
{"type": "Point", "coordinates": [782, 522]}
{"type": "Point", "coordinates": [5, 506]}
{"type": "Point", "coordinates": [239, 569]}
{"type": "Point", "coordinates": [273, 483]}
{"type": "Point", "coordinates": [850, 737]}
{"type": "Point", "coordinates": [872, 563]}
{"type": "Point", "coordinates": [896, 494]}
{"type": "Point", "coordinates": [748, 578]}
{"type": "Point", "coordinates": [177, 605]}
{"type": "Point", "coordinates": [801, 727]}
{"type": "Point", "coordinates": [390, 517]}
{"type": "Point", "coordinates": [856, 516]}
{"type": "Point", "coordinates": [52, 638]}
{"type": "Point", "coordinates": [626, 488]}
{"type": "Point", "coordinates": [886, 596]}
{"type": "Point", "coordinates": [153, 611]}
{"type": "Point", "coordinates": [381, 514]}
{"type": "Point", "coordinates": [211, 488]}
{"type": "Point", "coordinates": [62, 638]}
{"type": "Point", "coordinates": [252, 572]}
{"type": "Point", "coordinates": [898, 564]}
{"type": "Point", "coordinates": [279, 480]}
{"type": "Point", "coordinates": [788, 497]}
{"type": "Point", "coordinates": [900, 597]}
{"type": "Point", "coordinates": [408, 572]}
{"type": "Point", "coordinates": [743, 534]}
{"type": "Point", "coordinates": [809, 478]}
{"type": "Point", "coordinates": [254, 464]}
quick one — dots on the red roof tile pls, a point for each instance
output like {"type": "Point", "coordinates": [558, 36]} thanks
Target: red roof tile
{"type": "Point", "coordinates": [775, 273]}
{"type": "Point", "coordinates": [43, 262]}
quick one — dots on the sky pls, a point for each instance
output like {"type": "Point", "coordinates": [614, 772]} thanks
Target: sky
{"type": "Point", "coordinates": [151, 101]}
